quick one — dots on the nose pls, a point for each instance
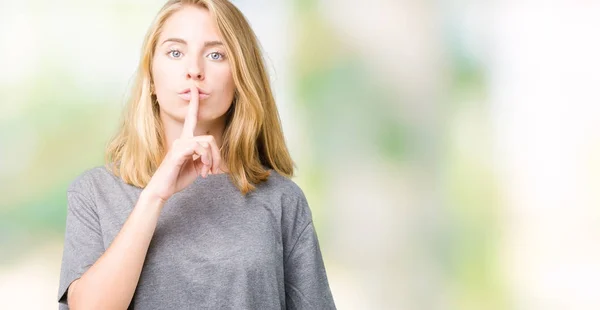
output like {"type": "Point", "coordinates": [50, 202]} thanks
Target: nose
{"type": "Point", "coordinates": [195, 70]}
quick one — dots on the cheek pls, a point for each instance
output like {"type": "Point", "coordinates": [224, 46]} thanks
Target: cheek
{"type": "Point", "coordinates": [226, 80]}
{"type": "Point", "coordinates": [226, 87]}
{"type": "Point", "coordinates": [162, 73]}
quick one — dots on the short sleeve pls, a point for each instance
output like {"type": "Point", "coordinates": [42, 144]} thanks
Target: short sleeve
{"type": "Point", "coordinates": [306, 283]}
{"type": "Point", "coordinates": [83, 243]}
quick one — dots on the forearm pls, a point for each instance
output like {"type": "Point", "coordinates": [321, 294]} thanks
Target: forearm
{"type": "Point", "coordinates": [110, 283]}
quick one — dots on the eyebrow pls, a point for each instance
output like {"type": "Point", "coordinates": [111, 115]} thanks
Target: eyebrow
{"type": "Point", "coordinates": [182, 41]}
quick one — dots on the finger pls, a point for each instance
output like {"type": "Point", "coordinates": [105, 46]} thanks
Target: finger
{"type": "Point", "coordinates": [191, 118]}
{"type": "Point", "coordinates": [205, 157]}
{"type": "Point", "coordinates": [204, 171]}
{"type": "Point", "coordinates": [197, 163]}
{"type": "Point", "coordinates": [215, 152]}
{"type": "Point", "coordinates": [199, 153]}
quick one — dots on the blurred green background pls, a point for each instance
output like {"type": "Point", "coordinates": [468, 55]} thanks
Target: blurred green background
{"type": "Point", "coordinates": [449, 150]}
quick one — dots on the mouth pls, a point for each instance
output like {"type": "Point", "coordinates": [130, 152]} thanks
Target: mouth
{"type": "Point", "coordinates": [187, 95]}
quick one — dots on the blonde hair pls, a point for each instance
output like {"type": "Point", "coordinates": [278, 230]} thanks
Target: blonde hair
{"type": "Point", "coordinates": [253, 140]}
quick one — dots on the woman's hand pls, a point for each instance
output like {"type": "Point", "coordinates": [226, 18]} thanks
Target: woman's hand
{"type": "Point", "coordinates": [189, 157]}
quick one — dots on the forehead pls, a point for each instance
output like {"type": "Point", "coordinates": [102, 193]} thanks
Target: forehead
{"type": "Point", "coordinates": [191, 23]}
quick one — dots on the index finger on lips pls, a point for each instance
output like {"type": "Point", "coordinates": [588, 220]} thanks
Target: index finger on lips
{"type": "Point", "coordinates": [191, 119]}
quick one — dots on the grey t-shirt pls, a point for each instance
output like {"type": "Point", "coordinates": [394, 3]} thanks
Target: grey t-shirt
{"type": "Point", "coordinates": [212, 248]}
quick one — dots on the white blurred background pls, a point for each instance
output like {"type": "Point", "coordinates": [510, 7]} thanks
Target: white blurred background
{"type": "Point", "coordinates": [449, 150]}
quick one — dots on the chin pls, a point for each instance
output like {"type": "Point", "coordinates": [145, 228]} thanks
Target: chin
{"type": "Point", "coordinates": [209, 118]}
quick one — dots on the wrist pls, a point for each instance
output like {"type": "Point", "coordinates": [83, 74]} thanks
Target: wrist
{"type": "Point", "coordinates": [150, 197]}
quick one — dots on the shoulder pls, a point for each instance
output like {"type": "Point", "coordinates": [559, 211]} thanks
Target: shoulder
{"type": "Point", "coordinates": [283, 186]}
{"type": "Point", "coordinates": [291, 198]}
{"type": "Point", "coordinates": [91, 179]}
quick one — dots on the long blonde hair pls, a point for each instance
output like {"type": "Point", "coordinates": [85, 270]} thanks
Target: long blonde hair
{"type": "Point", "coordinates": [253, 140]}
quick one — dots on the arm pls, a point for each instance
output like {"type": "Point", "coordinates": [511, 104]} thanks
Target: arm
{"type": "Point", "coordinates": [306, 283]}
{"type": "Point", "coordinates": [111, 281]}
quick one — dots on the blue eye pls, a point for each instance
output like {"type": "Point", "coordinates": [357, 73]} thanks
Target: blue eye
{"type": "Point", "coordinates": [174, 53]}
{"type": "Point", "coordinates": [219, 56]}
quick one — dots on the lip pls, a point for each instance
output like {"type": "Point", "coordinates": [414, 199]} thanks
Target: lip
{"type": "Point", "coordinates": [186, 95]}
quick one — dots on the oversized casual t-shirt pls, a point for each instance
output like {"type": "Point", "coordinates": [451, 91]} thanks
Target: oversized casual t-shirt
{"type": "Point", "coordinates": [213, 248]}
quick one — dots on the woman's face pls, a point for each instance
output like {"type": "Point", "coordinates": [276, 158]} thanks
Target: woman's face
{"type": "Point", "coordinates": [190, 52]}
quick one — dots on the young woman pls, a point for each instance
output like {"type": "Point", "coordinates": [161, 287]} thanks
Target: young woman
{"type": "Point", "coordinates": [194, 208]}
